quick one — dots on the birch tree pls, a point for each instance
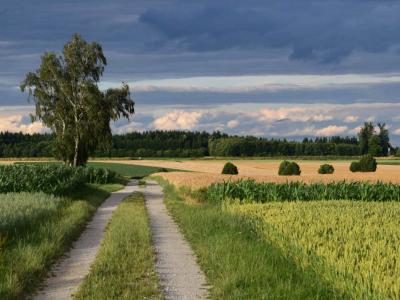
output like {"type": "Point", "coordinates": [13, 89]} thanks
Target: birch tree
{"type": "Point", "coordinates": [68, 100]}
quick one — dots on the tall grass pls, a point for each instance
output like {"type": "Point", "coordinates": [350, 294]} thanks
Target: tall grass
{"type": "Point", "coordinates": [36, 229]}
{"type": "Point", "coordinates": [21, 211]}
{"type": "Point", "coordinates": [251, 191]}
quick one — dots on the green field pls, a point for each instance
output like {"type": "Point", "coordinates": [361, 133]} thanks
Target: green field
{"type": "Point", "coordinates": [37, 228]}
{"type": "Point", "coordinates": [389, 162]}
{"type": "Point", "coordinates": [131, 171]}
{"type": "Point", "coordinates": [237, 262]}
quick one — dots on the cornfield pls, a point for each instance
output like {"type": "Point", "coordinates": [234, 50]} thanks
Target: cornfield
{"type": "Point", "coordinates": [352, 245]}
{"type": "Point", "coordinates": [249, 191]}
{"type": "Point", "coordinates": [49, 178]}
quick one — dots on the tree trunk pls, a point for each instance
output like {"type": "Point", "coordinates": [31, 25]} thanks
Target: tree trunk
{"type": "Point", "coordinates": [76, 151]}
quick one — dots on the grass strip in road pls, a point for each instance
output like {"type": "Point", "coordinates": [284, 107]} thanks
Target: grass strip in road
{"type": "Point", "coordinates": [27, 253]}
{"type": "Point", "coordinates": [237, 262]}
{"type": "Point", "coordinates": [124, 266]}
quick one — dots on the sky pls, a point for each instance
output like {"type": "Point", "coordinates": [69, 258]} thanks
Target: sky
{"type": "Point", "coordinates": [282, 69]}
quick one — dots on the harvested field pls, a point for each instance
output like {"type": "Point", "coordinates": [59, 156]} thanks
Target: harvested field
{"type": "Point", "coordinates": [198, 180]}
{"type": "Point", "coordinates": [206, 172]}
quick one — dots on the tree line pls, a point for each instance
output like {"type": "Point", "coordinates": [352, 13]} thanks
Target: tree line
{"type": "Point", "coordinates": [198, 144]}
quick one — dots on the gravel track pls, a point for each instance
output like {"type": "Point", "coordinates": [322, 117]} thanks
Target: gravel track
{"type": "Point", "coordinates": [179, 274]}
{"type": "Point", "coordinates": [70, 271]}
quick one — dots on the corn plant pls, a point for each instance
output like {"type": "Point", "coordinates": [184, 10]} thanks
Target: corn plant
{"type": "Point", "coordinates": [251, 191]}
{"type": "Point", "coordinates": [49, 178]}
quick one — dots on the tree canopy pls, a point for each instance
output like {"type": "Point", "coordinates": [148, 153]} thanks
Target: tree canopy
{"type": "Point", "coordinates": [68, 100]}
{"type": "Point", "coordinates": [373, 142]}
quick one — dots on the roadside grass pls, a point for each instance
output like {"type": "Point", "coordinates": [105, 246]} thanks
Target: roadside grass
{"type": "Point", "coordinates": [124, 266]}
{"type": "Point", "coordinates": [237, 262]}
{"type": "Point", "coordinates": [41, 236]}
{"type": "Point", "coordinates": [131, 171]}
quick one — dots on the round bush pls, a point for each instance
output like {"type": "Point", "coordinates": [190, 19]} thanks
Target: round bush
{"type": "Point", "coordinates": [355, 166]}
{"type": "Point", "coordinates": [288, 168]}
{"type": "Point", "coordinates": [368, 163]}
{"type": "Point", "coordinates": [326, 169]}
{"type": "Point", "coordinates": [230, 168]}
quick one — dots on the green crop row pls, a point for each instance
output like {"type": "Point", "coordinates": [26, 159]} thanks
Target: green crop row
{"type": "Point", "coordinates": [250, 191]}
{"type": "Point", "coordinates": [49, 178]}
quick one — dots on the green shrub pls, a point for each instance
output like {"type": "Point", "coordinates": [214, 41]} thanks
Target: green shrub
{"type": "Point", "coordinates": [326, 169]}
{"type": "Point", "coordinates": [230, 168]}
{"type": "Point", "coordinates": [355, 166]}
{"type": "Point", "coordinates": [367, 163]}
{"type": "Point", "coordinates": [288, 168]}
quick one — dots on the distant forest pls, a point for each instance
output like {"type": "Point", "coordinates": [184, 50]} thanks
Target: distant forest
{"type": "Point", "coordinates": [187, 144]}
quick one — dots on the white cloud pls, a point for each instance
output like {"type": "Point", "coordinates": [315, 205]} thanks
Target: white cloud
{"type": "Point", "coordinates": [331, 130]}
{"type": "Point", "coordinates": [178, 119]}
{"type": "Point", "coordinates": [15, 123]}
{"type": "Point", "coordinates": [397, 131]}
{"type": "Point", "coordinates": [232, 123]}
{"type": "Point", "coordinates": [355, 130]}
{"type": "Point", "coordinates": [296, 114]}
{"type": "Point", "coordinates": [130, 127]}
{"type": "Point", "coordinates": [350, 119]}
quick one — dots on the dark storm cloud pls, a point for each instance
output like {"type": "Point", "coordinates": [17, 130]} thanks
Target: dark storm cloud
{"type": "Point", "coordinates": [326, 31]}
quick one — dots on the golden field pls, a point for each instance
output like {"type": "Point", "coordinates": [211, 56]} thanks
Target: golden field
{"type": "Point", "coordinates": [353, 245]}
{"type": "Point", "coordinates": [205, 172]}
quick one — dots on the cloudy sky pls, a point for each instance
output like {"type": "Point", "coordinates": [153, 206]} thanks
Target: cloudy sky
{"type": "Point", "coordinates": [267, 68]}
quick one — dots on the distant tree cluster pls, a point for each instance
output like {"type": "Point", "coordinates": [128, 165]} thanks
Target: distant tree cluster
{"type": "Point", "coordinates": [26, 145]}
{"type": "Point", "coordinates": [373, 142]}
{"type": "Point", "coordinates": [160, 144]}
{"type": "Point", "coordinates": [198, 144]}
{"type": "Point", "coordinates": [183, 144]}
{"type": "Point", "coordinates": [252, 146]}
